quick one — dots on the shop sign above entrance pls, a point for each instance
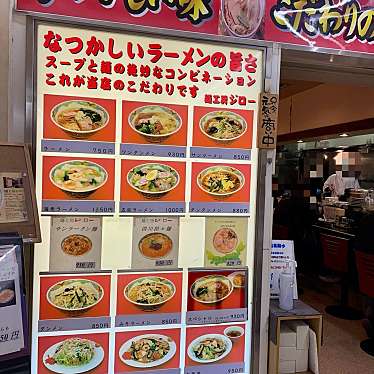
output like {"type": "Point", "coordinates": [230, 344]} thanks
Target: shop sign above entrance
{"type": "Point", "coordinates": [346, 25]}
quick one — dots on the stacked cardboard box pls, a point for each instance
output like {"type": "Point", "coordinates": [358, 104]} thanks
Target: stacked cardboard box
{"type": "Point", "coordinates": [294, 347]}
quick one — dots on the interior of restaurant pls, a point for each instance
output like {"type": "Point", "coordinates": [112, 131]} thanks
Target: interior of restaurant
{"type": "Point", "coordinates": [323, 191]}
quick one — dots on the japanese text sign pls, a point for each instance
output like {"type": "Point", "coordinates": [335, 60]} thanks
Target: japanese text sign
{"type": "Point", "coordinates": [267, 121]}
{"type": "Point", "coordinates": [324, 23]}
{"type": "Point", "coordinates": [75, 243]}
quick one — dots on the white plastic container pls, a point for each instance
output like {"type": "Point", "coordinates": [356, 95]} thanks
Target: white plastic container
{"type": "Point", "coordinates": [286, 284]}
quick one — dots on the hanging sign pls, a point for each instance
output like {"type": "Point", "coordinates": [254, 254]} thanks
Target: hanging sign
{"type": "Point", "coordinates": [333, 24]}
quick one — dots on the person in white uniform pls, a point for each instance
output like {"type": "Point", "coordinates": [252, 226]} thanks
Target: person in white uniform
{"type": "Point", "coordinates": [337, 184]}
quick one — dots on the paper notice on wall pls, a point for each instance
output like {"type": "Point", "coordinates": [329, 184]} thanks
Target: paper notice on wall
{"type": "Point", "coordinates": [75, 243]}
{"type": "Point", "coordinates": [11, 324]}
{"type": "Point", "coordinates": [281, 252]}
{"type": "Point", "coordinates": [12, 198]}
{"type": "Point", "coordinates": [155, 242]}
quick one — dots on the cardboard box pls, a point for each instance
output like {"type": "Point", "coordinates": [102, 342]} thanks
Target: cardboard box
{"type": "Point", "coordinates": [299, 356]}
{"type": "Point", "coordinates": [302, 333]}
{"type": "Point", "coordinates": [287, 336]}
{"type": "Point", "coordinates": [302, 360]}
{"type": "Point", "coordinates": [287, 367]}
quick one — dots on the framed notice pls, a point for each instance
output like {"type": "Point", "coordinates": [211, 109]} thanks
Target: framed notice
{"type": "Point", "coordinates": [155, 242]}
{"type": "Point", "coordinates": [225, 241]}
{"type": "Point", "coordinates": [75, 243]}
{"type": "Point", "coordinates": [217, 296]}
{"type": "Point", "coordinates": [13, 323]}
{"type": "Point", "coordinates": [18, 210]}
{"type": "Point", "coordinates": [61, 311]}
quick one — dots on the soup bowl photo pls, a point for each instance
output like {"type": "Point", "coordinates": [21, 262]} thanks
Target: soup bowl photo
{"type": "Point", "coordinates": [80, 119]}
{"type": "Point", "coordinates": [220, 181]}
{"type": "Point", "coordinates": [153, 180]}
{"type": "Point", "coordinates": [75, 296]}
{"type": "Point", "coordinates": [149, 293]}
{"type": "Point", "coordinates": [78, 178]}
{"type": "Point", "coordinates": [211, 289]}
{"type": "Point", "coordinates": [155, 123]}
{"type": "Point", "coordinates": [223, 126]}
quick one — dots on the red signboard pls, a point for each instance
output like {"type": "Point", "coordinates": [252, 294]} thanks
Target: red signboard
{"type": "Point", "coordinates": [347, 25]}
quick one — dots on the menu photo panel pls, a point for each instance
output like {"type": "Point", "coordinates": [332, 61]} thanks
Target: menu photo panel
{"type": "Point", "coordinates": [155, 242]}
{"type": "Point", "coordinates": [78, 353]}
{"type": "Point", "coordinates": [154, 129]}
{"type": "Point", "coordinates": [75, 124]}
{"type": "Point", "coordinates": [155, 351]}
{"type": "Point", "coordinates": [149, 186]}
{"type": "Point", "coordinates": [74, 302]}
{"type": "Point", "coordinates": [217, 296]}
{"type": "Point", "coordinates": [78, 185]}
{"type": "Point", "coordinates": [215, 349]}
{"type": "Point", "coordinates": [149, 298]}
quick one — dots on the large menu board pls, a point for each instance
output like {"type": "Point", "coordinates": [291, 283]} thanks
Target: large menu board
{"type": "Point", "coordinates": [152, 136]}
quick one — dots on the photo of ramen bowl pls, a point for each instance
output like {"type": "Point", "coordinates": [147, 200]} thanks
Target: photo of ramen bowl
{"type": "Point", "coordinates": [220, 181]}
{"type": "Point", "coordinates": [153, 180]}
{"type": "Point", "coordinates": [80, 119]}
{"type": "Point", "coordinates": [75, 296]}
{"type": "Point", "coordinates": [7, 293]}
{"type": "Point", "coordinates": [225, 240]}
{"type": "Point", "coordinates": [78, 178]}
{"type": "Point", "coordinates": [154, 122]}
{"type": "Point", "coordinates": [149, 293]}
{"type": "Point", "coordinates": [211, 289]}
{"type": "Point", "coordinates": [155, 245]}
{"type": "Point", "coordinates": [242, 18]}
{"type": "Point", "coordinates": [76, 245]}
{"type": "Point", "coordinates": [223, 126]}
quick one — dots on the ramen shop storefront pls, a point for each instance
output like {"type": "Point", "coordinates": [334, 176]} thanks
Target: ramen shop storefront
{"type": "Point", "coordinates": [147, 172]}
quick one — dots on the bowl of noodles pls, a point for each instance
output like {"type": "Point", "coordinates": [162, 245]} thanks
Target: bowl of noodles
{"type": "Point", "coordinates": [211, 289]}
{"type": "Point", "coordinates": [155, 245]}
{"type": "Point", "coordinates": [223, 126]}
{"type": "Point", "coordinates": [149, 293]}
{"type": "Point", "coordinates": [80, 119]}
{"type": "Point", "coordinates": [220, 181]}
{"type": "Point", "coordinates": [153, 180]}
{"type": "Point", "coordinates": [154, 122]}
{"type": "Point", "coordinates": [78, 178]}
{"type": "Point", "coordinates": [75, 295]}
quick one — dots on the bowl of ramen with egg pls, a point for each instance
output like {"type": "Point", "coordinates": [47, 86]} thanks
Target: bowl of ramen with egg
{"type": "Point", "coordinates": [76, 245]}
{"type": "Point", "coordinates": [156, 245]}
{"type": "Point", "coordinates": [149, 293]}
{"type": "Point", "coordinates": [153, 180]}
{"type": "Point", "coordinates": [242, 18]}
{"type": "Point", "coordinates": [154, 122]}
{"type": "Point", "coordinates": [211, 289]}
{"type": "Point", "coordinates": [80, 119]}
{"type": "Point", "coordinates": [223, 126]}
{"type": "Point", "coordinates": [78, 178]}
{"type": "Point", "coordinates": [220, 181]}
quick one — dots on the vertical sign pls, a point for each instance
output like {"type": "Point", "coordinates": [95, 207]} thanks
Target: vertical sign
{"type": "Point", "coordinates": [267, 121]}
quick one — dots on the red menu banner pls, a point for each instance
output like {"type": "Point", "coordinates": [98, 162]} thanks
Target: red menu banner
{"type": "Point", "coordinates": [333, 24]}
